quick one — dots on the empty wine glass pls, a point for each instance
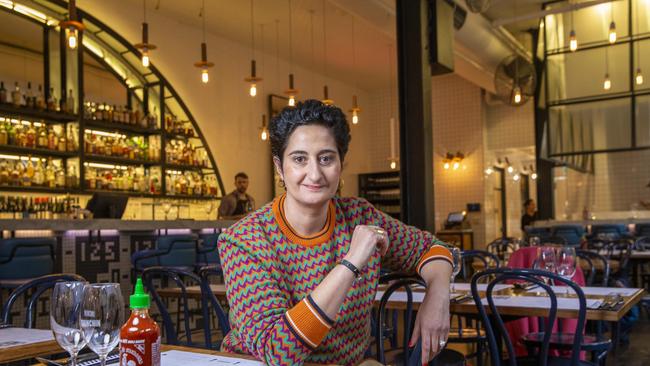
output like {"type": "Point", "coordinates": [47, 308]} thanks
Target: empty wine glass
{"type": "Point", "coordinates": [166, 208]}
{"type": "Point", "coordinates": [65, 313]}
{"type": "Point", "coordinates": [457, 264]}
{"type": "Point", "coordinates": [102, 317]}
{"type": "Point", "coordinates": [566, 263]}
{"type": "Point", "coordinates": [545, 260]}
{"type": "Point", "coordinates": [208, 208]}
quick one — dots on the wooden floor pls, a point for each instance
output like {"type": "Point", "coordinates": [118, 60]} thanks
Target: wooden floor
{"type": "Point", "coordinates": [638, 352]}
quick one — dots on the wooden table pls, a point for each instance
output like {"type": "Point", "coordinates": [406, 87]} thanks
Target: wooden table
{"type": "Point", "coordinates": [27, 351]}
{"type": "Point", "coordinates": [193, 292]}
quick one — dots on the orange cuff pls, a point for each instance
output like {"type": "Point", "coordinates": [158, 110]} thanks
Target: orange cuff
{"type": "Point", "coordinates": [436, 252]}
{"type": "Point", "coordinates": [308, 322]}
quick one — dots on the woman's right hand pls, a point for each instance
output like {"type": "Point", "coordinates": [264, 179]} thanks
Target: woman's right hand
{"type": "Point", "coordinates": [366, 240]}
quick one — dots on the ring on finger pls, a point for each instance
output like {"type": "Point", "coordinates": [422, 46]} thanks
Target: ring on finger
{"type": "Point", "coordinates": [442, 343]}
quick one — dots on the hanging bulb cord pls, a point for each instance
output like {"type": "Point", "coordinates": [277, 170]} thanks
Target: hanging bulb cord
{"type": "Point", "coordinates": [354, 54]}
{"type": "Point", "coordinates": [324, 42]}
{"type": "Point", "coordinates": [203, 18]}
{"type": "Point", "coordinates": [311, 26]}
{"type": "Point", "coordinates": [252, 31]}
{"type": "Point", "coordinates": [144, 10]}
{"type": "Point", "coordinates": [277, 47]}
{"type": "Point", "coordinates": [290, 38]}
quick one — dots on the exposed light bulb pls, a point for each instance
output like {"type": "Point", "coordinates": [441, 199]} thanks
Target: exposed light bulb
{"type": "Point", "coordinates": [533, 176]}
{"type": "Point", "coordinates": [516, 92]}
{"type": "Point", "coordinates": [607, 84]}
{"type": "Point", "coordinates": [456, 165]}
{"type": "Point", "coordinates": [71, 33]}
{"type": "Point", "coordinates": [573, 41]}
{"type": "Point", "coordinates": [511, 169]}
{"type": "Point", "coordinates": [145, 58]}
{"type": "Point", "coordinates": [612, 32]}
{"type": "Point", "coordinates": [253, 90]}
{"type": "Point", "coordinates": [393, 164]}
{"type": "Point", "coordinates": [515, 177]}
{"type": "Point", "coordinates": [445, 165]}
{"type": "Point", "coordinates": [639, 77]}
{"type": "Point", "coordinates": [205, 77]}
{"type": "Point", "coordinates": [265, 134]}
{"type": "Point", "coordinates": [355, 117]}
{"type": "Point", "coordinates": [292, 101]}
{"type": "Point", "coordinates": [489, 171]}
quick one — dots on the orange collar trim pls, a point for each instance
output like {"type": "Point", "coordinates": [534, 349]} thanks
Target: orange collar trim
{"type": "Point", "coordinates": [320, 237]}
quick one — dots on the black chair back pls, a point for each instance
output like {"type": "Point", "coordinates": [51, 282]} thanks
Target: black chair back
{"type": "Point", "coordinates": [182, 279]}
{"type": "Point", "coordinates": [404, 283]}
{"type": "Point", "coordinates": [209, 299]}
{"type": "Point", "coordinates": [502, 246]}
{"type": "Point", "coordinates": [494, 322]}
{"type": "Point", "coordinates": [469, 257]}
{"type": "Point", "coordinates": [594, 261]}
{"type": "Point", "coordinates": [39, 286]}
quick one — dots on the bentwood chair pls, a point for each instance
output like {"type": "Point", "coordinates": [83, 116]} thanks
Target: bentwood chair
{"type": "Point", "coordinates": [181, 280]}
{"type": "Point", "coordinates": [497, 333]}
{"type": "Point", "coordinates": [446, 357]}
{"type": "Point", "coordinates": [208, 299]}
{"type": "Point", "coordinates": [37, 287]}
{"type": "Point", "coordinates": [502, 247]}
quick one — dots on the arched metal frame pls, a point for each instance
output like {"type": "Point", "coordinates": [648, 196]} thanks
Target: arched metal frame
{"type": "Point", "coordinates": [124, 65]}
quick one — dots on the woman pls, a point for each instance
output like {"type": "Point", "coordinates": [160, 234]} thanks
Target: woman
{"type": "Point", "coordinates": [302, 272]}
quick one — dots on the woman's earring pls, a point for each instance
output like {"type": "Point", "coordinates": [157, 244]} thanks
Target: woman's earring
{"type": "Point", "coordinates": [281, 183]}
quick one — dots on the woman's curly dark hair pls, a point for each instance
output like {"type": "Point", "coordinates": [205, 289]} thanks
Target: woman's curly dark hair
{"type": "Point", "coordinates": [305, 113]}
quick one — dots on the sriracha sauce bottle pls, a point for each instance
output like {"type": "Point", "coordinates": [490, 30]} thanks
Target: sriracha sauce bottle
{"type": "Point", "coordinates": [140, 335]}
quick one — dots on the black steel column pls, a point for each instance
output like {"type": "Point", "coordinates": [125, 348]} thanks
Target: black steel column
{"type": "Point", "coordinates": [416, 137]}
{"type": "Point", "coordinates": [544, 166]}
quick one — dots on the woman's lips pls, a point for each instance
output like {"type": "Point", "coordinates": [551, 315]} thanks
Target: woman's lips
{"type": "Point", "coordinates": [314, 188]}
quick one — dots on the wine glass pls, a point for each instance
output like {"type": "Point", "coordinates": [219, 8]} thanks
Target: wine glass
{"type": "Point", "coordinates": [102, 317]}
{"type": "Point", "coordinates": [65, 313]}
{"type": "Point", "coordinates": [208, 209]}
{"type": "Point", "coordinates": [546, 260]}
{"type": "Point", "coordinates": [457, 264]}
{"type": "Point", "coordinates": [534, 241]}
{"type": "Point", "coordinates": [566, 263]}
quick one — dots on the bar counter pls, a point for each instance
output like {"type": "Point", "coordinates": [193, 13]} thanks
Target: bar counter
{"type": "Point", "coordinates": [111, 224]}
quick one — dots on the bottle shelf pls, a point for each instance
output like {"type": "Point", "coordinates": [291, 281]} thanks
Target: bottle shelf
{"type": "Point", "coordinates": [183, 167]}
{"type": "Point", "coordinates": [110, 126]}
{"type": "Point", "coordinates": [38, 114]}
{"type": "Point", "coordinates": [179, 136]}
{"type": "Point", "coordinates": [193, 197]}
{"type": "Point", "coordinates": [40, 152]}
{"type": "Point", "coordinates": [36, 189]}
{"type": "Point", "coordinates": [93, 158]}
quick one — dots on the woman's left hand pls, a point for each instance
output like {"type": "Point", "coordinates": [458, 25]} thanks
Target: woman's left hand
{"type": "Point", "coordinates": [432, 321]}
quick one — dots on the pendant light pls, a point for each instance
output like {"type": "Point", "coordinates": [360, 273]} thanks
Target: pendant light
{"type": "Point", "coordinates": [253, 79]}
{"type": "Point", "coordinates": [204, 64]}
{"type": "Point", "coordinates": [573, 40]}
{"type": "Point", "coordinates": [355, 106]}
{"type": "Point", "coordinates": [145, 46]}
{"type": "Point", "coordinates": [326, 98]}
{"type": "Point", "coordinates": [292, 92]}
{"type": "Point", "coordinates": [72, 25]}
{"type": "Point", "coordinates": [264, 135]}
{"type": "Point", "coordinates": [607, 83]}
{"type": "Point", "coordinates": [638, 77]}
{"type": "Point", "coordinates": [612, 25]}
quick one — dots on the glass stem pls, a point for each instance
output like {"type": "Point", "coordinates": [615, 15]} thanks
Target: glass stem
{"type": "Point", "coordinates": [73, 358]}
{"type": "Point", "coordinates": [102, 360]}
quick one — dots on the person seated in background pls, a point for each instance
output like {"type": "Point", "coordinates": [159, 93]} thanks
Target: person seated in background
{"type": "Point", "coordinates": [530, 214]}
{"type": "Point", "coordinates": [302, 271]}
{"type": "Point", "coordinates": [237, 203]}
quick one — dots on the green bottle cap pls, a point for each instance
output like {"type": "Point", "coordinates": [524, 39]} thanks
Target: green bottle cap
{"type": "Point", "coordinates": [139, 299]}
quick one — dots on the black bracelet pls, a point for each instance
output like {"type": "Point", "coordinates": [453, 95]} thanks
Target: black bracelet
{"type": "Point", "coordinates": [351, 267]}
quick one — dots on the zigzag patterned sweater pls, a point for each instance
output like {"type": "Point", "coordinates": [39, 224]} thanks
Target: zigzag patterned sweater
{"type": "Point", "coordinates": [270, 271]}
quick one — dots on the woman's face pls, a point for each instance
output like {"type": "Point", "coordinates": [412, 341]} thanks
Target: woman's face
{"type": "Point", "coordinates": [311, 165]}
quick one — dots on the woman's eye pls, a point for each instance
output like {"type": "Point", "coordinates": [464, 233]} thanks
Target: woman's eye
{"type": "Point", "coordinates": [325, 160]}
{"type": "Point", "coordinates": [299, 159]}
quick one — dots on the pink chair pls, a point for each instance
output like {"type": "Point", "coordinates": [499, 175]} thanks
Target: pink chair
{"type": "Point", "coordinates": [524, 258]}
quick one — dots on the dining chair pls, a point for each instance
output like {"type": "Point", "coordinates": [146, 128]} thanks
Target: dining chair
{"type": "Point", "coordinates": [182, 279]}
{"type": "Point", "coordinates": [207, 253]}
{"type": "Point", "coordinates": [596, 266]}
{"type": "Point", "coordinates": [37, 287]}
{"type": "Point", "coordinates": [501, 247]}
{"type": "Point", "coordinates": [497, 332]}
{"type": "Point", "coordinates": [446, 357]}
{"type": "Point", "coordinates": [208, 299]}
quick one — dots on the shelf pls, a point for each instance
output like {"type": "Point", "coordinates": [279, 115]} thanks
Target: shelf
{"type": "Point", "coordinates": [25, 151]}
{"type": "Point", "coordinates": [125, 193]}
{"type": "Point", "coordinates": [33, 189]}
{"type": "Point", "coordinates": [375, 186]}
{"type": "Point", "coordinates": [179, 136]}
{"type": "Point", "coordinates": [121, 127]}
{"type": "Point", "coordinates": [191, 197]}
{"type": "Point", "coordinates": [383, 200]}
{"type": "Point", "coordinates": [184, 167]}
{"type": "Point", "coordinates": [31, 113]}
{"type": "Point", "coordinates": [118, 160]}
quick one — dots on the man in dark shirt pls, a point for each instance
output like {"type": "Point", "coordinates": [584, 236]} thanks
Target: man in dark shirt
{"type": "Point", "coordinates": [237, 203]}
{"type": "Point", "coordinates": [530, 214]}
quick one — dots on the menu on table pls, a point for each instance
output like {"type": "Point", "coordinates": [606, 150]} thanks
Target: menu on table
{"type": "Point", "coordinates": [12, 337]}
{"type": "Point", "coordinates": [174, 357]}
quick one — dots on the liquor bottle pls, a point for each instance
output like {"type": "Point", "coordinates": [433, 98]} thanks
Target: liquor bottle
{"type": "Point", "coordinates": [51, 101]}
{"type": "Point", "coordinates": [62, 145]}
{"type": "Point", "coordinates": [11, 134]}
{"type": "Point", "coordinates": [28, 178]}
{"type": "Point", "coordinates": [29, 97]}
{"type": "Point", "coordinates": [70, 103]}
{"type": "Point", "coordinates": [17, 96]}
{"type": "Point", "coordinates": [31, 137]}
{"type": "Point", "coordinates": [50, 176]}
{"type": "Point", "coordinates": [40, 99]}
{"type": "Point", "coordinates": [41, 142]}
{"type": "Point", "coordinates": [3, 92]}
{"type": "Point", "coordinates": [4, 173]}
{"type": "Point", "coordinates": [60, 178]}
{"type": "Point", "coordinates": [52, 141]}
{"type": "Point", "coordinates": [4, 137]}
{"type": "Point", "coordinates": [38, 174]}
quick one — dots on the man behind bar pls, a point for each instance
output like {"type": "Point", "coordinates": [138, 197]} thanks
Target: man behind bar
{"type": "Point", "coordinates": [237, 203]}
